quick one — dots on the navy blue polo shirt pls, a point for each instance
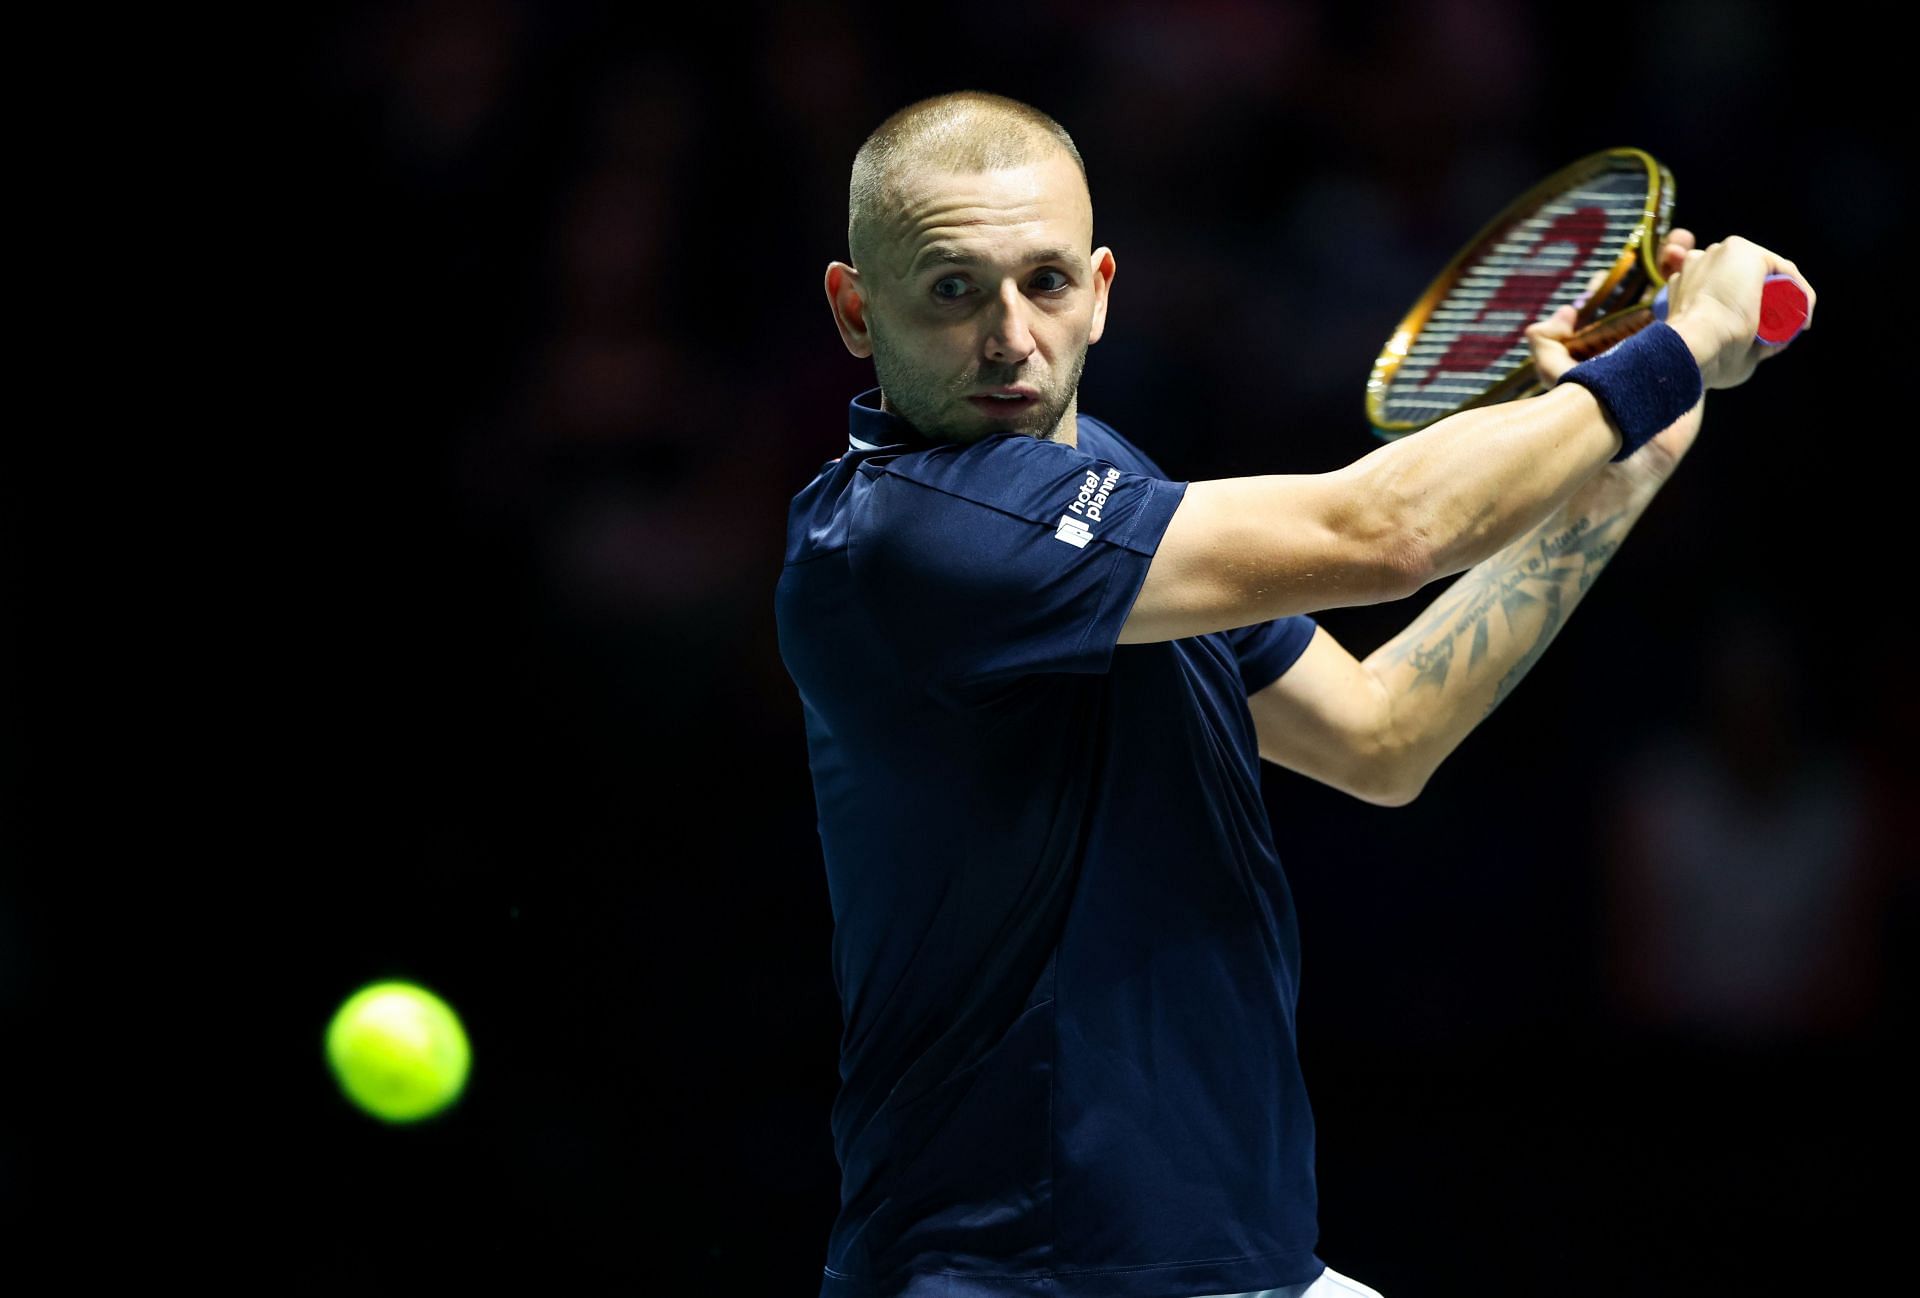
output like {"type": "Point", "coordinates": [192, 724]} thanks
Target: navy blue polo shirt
{"type": "Point", "coordinates": [1066, 954]}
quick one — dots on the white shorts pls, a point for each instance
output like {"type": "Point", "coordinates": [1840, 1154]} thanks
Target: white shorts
{"type": "Point", "coordinates": [1331, 1284]}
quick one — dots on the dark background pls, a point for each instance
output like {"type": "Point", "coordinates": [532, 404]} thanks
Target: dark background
{"type": "Point", "coordinates": [1611, 1008]}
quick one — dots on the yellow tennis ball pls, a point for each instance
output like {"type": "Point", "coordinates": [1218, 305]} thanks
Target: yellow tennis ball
{"type": "Point", "coordinates": [398, 1051]}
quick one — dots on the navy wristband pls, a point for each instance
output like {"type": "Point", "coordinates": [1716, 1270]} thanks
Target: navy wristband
{"type": "Point", "coordinates": [1644, 383]}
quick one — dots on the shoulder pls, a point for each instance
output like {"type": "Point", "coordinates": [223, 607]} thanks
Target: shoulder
{"type": "Point", "coordinates": [1010, 473]}
{"type": "Point", "coordinates": [1099, 437]}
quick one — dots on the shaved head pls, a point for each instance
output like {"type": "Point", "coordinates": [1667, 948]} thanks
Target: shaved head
{"type": "Point", "coordinates": [967, 131]}
{"type": "Point", "coordinates": [974, 284]}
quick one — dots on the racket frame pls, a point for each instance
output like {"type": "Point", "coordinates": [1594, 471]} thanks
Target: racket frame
{"type": "Point", "coordinates": [1619, 304]}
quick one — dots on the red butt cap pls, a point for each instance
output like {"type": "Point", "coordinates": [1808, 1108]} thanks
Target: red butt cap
{"type": "Point", "coordinates": [1783, 310]}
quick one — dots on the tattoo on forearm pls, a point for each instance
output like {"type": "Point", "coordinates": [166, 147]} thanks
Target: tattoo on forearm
{"type": "Point", "coordinates": [1545, 567]}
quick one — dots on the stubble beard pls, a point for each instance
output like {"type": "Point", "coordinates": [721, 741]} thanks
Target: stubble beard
{"type": "Point", "coordinates": [923, 402]}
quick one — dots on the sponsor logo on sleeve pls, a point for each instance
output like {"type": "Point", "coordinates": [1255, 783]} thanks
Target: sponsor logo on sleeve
{"type": "Point", "coordinates": [1076, 525]}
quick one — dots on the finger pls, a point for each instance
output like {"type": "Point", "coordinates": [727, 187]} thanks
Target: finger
{"type": "Point", "coordinates": [1673, 253]}
{"type": "Point", "coordinates": [1680, 268]}
{"type": "Point", "coordinates": [1594, 282]}
{"type": "Point", "coordinates": [1546, 340]}
{"type": "Point", "coordinates": [1692, 256]}
{"type": "Point", "coordinates": [1555, 327]}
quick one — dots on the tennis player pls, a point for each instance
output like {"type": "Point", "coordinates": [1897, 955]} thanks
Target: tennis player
{"type": "Point", "coordinates": [1038, 678]}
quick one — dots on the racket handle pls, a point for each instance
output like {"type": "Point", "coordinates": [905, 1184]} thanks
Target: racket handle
{"type": "Point", "coordinates": [1783, 309]}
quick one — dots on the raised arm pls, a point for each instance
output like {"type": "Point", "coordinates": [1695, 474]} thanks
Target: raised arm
{"type": "Point", "coordinates": [1244, 550]}
{"type": "Point", "coordinates": [1379, 729]}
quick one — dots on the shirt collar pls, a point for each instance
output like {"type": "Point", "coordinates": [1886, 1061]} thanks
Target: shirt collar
{"type": "Point", "coordinates": [869, 427]}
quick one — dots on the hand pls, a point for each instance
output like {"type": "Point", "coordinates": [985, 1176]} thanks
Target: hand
{"type": "Point", "coordinates": [1713, 301]}
{"type": "Point", "coordinates": [1547, 339]}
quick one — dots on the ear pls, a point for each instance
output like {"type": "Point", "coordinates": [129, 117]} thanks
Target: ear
{"type": "Point", "coordinates": [1103, 267]}
{"type": "Point", "coordinates": [849, 305]}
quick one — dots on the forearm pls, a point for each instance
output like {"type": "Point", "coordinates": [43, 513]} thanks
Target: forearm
{"type": "Point", "coordinates": [1465, 487]}
{"type": "Point", "coordinates": [1461, 658]}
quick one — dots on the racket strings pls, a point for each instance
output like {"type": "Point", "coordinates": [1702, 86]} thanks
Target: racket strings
{"type": "Point", "coordinates": [1473, 339]}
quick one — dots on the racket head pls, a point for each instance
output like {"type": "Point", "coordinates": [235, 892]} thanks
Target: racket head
{"type": "Point", "coordinates": [1464, 342]}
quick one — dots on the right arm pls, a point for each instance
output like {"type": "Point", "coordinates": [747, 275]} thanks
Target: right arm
{"type": "Point", "coordinates": [1240, 551]}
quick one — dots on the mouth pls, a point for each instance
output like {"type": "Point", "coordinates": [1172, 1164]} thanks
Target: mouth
{"type": "Point", "coordinates": [1010, 402]}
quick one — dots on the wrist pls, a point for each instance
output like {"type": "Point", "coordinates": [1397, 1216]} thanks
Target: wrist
{"type": "Point", "coordinates": [1644, 384]}
{"type": "Point", "coordinates": [1636, 479]}
{"type": "Point", "coordinates": [1648, 469]}
{"type": "Point", "coordinates": [1699, 339]}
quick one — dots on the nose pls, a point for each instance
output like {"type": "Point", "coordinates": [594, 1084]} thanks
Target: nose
{"type": "Point", "coordinates": [1009, 337]}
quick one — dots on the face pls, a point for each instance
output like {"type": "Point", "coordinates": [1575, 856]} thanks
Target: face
{"type": "Point", "coordinates": [983, 282]}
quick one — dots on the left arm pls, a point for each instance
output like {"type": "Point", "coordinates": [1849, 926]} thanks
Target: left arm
{"type": "Point", "coordinates": [1459, 660]}
{"type": "Point", "coordinates": [1378, 729]}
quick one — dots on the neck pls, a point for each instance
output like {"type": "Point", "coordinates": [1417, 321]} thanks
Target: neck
{"type": "Point", "coordinates": [1069, 430]}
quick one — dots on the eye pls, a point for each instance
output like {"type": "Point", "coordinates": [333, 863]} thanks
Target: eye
{"type": "Point", "coordinates": [1065, 283]}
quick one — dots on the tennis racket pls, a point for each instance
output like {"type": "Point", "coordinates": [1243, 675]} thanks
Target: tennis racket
{"type": "Point", "coordinates": [1601, 220]}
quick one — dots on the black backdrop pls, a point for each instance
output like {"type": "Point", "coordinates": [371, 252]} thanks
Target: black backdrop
{"type": "Point", "coordinates": [558, 278]}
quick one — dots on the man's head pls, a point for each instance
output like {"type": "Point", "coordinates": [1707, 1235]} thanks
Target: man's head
{"type": "Point", "coordinates": [970, 228]}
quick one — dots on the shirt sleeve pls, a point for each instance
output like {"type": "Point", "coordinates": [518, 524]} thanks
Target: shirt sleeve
{"type": "Point", "coordinates": [1267, 649]}
{"type": "Point", "coordinates": [1004, 557]}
